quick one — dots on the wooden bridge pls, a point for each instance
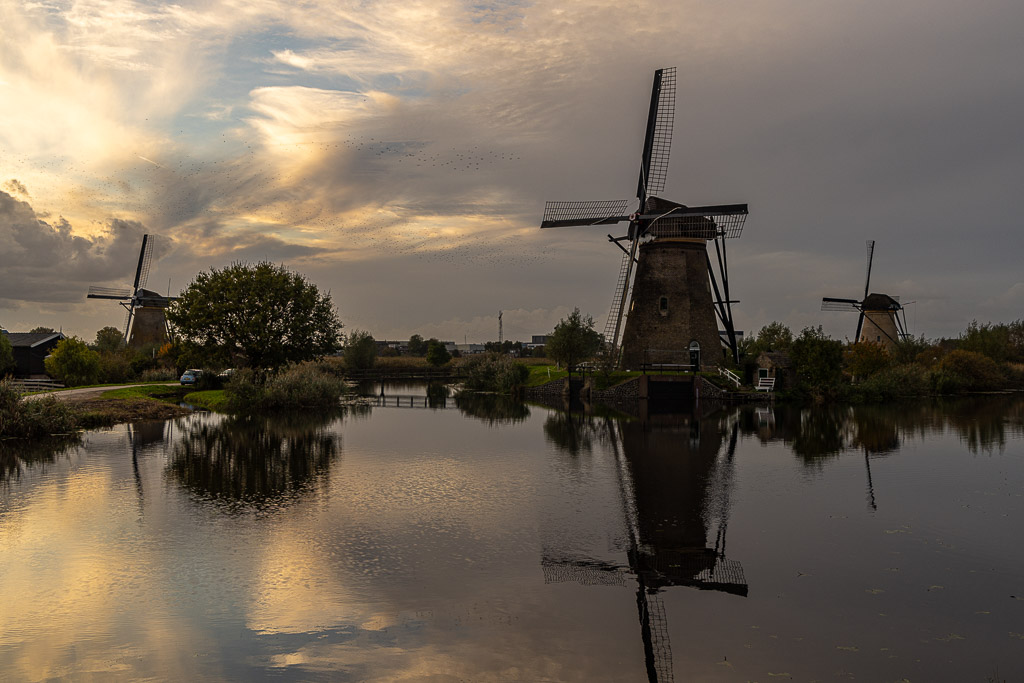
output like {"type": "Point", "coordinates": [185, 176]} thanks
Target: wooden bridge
{"type": "Point", "coordinates": [411, 374]}
{"type": "Point", "coordinates": [407, 401]}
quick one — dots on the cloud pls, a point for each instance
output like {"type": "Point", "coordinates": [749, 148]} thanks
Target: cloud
{"type": "Point", "coordinates": [45, 262]}
{"type": "Point", "coordinates": [424, 138]}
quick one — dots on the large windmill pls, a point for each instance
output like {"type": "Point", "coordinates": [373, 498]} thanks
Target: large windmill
{"type": "Point", "coordinates": [145, 321]}
{"type": "Point", "coordinates": [879, 320]}
{"type": "Point", "coordinates": [667, 276]}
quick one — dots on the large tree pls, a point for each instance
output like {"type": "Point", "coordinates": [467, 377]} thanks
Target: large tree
{"type": "Point", "coordinates": [574, 340]}
{"type": "Point", "coordinates": [108, 339]}
{"type": "Point", "coordinates": [260, 315]}
{"type": "Point", "coordinates": [360, 350]}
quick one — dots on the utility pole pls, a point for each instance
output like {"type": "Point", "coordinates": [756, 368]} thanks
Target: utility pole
{"type": "Point", "coordinates": [501, 337]}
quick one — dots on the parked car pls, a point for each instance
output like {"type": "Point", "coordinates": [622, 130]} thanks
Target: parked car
{"type": "Point", "coordinates": [191, 376]}
{"type": "Point", "coordinates": [226, 374]}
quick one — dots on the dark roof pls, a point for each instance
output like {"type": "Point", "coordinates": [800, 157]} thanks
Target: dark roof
{"type": "Point", "coordinates": [779, 359]}
{"type": "Point", "coordinates": [30, 339]}
{"type": "Point", "coordinates": [880, 302]}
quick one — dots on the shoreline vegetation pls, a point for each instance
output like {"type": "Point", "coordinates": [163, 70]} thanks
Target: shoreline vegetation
{"type": "Point", "coordinates": [985, 359]}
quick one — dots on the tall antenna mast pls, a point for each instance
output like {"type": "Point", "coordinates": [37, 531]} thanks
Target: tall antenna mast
{"type": "Point", "coordinates": [501, 338]}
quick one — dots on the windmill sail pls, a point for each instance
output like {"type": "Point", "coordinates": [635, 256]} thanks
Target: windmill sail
{"type": "Point", "coordinates": [96, 292]}
{"type": "Point", "coordinates": [568, 214]}
{"type": "Point", "coordinates": [829, 303]}
{"type": "Point", "coordinates": [658, 141]}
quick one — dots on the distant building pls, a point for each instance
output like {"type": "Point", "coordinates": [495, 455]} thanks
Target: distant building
{"type": "Point", "coordinates": [536, 341]}
{"type": "Point", "coordinates": [30, 350]}
{"type": "Point", "coordinates": [465, 349]}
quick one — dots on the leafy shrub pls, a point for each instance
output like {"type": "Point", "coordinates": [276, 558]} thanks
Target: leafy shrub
{"type": "Point", "coordinates": [115, 367]}
{"type": "Point", "coordinates": [300, 386]}
{"type": "Point", "coordinates": [73, 363]}
{"type": "Point", "coordinates": [437, 354]}
{"type": "Point", "coordinates": [361, 350]}
{"type": "Point", "coordinates": [864, 359]}
{"type": "Point", "coordinates": [33, 418]}
{"type": "Point", "coordinates": [158, 375]}
{"type": "Point", "coordinates": [6, 355]}
{"type": "Point", "coordinates": [817, 362]}
{"type": "Point", "coordinates": [963, 370]}
{"type": "Point", "coordinates": [898, 381]}
{"type": "Point", "coordinates": [494, 372]}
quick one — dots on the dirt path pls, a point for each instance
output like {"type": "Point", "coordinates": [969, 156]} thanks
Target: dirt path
{"type": "Point", "coordinates": [77, 395]}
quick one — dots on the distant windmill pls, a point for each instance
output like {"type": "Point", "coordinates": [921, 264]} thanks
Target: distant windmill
{"type": "Point", "coordinates": [670, 315]}
{"type": "Point", "coordinates": [145, 320]}
{"type": "Point", "coordinates": [879, 320]}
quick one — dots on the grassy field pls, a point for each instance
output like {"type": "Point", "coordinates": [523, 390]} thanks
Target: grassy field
{"type": "Point", "coordinates": [215, 400]}
{"type": "Point", "coordinates": [158, 391]}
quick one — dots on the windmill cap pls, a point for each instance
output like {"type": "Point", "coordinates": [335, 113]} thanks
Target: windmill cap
{"type": "Point", "coordinates": [880, 302]}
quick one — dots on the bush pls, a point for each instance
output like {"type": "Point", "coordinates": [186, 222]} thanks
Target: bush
{"type": "Point", "coordinates": [6, 355]}
{"type": "Point", "coordinates": [963, 370]}
{"type": "Point", "coordinates": [300, 386]}
{"type": "Point", "coordinates": [864, 359]}
{"type": "Point", "coordinates": [34, 418]}
{"type": "Point", "coordinates": [73, 363]}
{"type": "Point", "coordinates": [115, 367]}
{"type": "Point", "coordinates": [494, 372]}
{"type": "Point", "coordinates": [817, 362]}
{"type": "Point", "coordinates": [361, 350]}
{"type": "Point", "coordinates": [158, 375]}
{"type": "Point", "coordinates": [898, 381]}
{"type": "Point", "coordinates": [437, 354]}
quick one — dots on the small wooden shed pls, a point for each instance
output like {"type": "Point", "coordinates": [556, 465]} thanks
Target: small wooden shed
{"type": "Point", "coordinates": [776, 365]}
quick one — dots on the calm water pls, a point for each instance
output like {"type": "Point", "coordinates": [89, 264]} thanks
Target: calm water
{"type": "Point", "coordinates": [498, 542]}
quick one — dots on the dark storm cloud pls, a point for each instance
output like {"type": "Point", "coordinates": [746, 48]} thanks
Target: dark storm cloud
{"type": "Point", "coordinates": [44, 262]}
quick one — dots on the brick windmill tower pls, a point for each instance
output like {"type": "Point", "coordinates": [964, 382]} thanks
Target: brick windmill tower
{"type": "Point", "coordinates": [667, 296]}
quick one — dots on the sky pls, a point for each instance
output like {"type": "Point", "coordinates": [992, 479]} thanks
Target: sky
{"type": "Point", "coordinates": [399, 154]}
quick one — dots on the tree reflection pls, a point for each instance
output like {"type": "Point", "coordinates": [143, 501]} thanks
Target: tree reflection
{"type": "Point", "coordinates": [255, 462]}
{"type": "Point", "coordinates": [492, 408]}
{"type": "Point", "coordinates": [572, 433]}
{"type": "Point", "coordinates": [819, 432]}
{"type": "Point", "coordinates": [19, 455]}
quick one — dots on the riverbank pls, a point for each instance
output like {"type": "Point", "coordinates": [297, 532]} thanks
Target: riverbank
{"type": "Point", "coordinates": [86, 408]}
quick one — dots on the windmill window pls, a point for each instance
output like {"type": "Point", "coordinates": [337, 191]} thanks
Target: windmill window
{"type": "Point", "coordinates": [663, 305]}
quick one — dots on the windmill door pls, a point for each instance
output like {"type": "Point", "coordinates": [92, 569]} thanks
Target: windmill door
{"type": "Point", "coordinates": [695, 354]}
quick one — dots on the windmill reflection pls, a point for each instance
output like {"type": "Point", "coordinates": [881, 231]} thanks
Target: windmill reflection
{"type": "Point", "coordinates": [254, 462]}
{"type": "Point", "coordinates": [674, 475]}
{"type": "Point", "coordinates": [141, 437]}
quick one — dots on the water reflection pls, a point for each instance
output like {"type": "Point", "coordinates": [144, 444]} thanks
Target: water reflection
{"type": "Point", "coordinates": [674, 474]}
{"type": "Point", "coordinates": [20, 455]}
{"type": "Point", "coordinates": [983, 424]}
{"type": "Point", "coordinates": [254, 462]}
{"type": "Point", "coordinates": [493, 409]}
